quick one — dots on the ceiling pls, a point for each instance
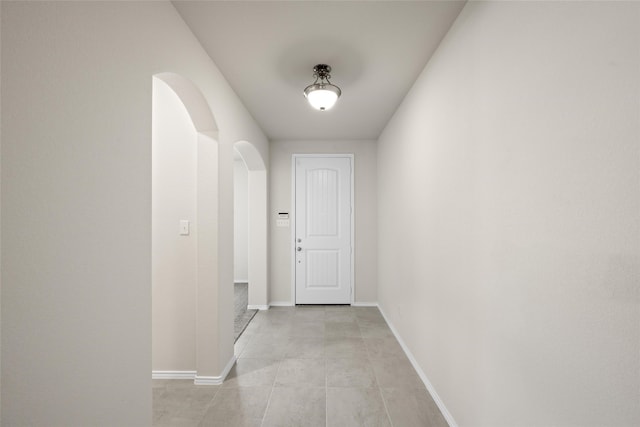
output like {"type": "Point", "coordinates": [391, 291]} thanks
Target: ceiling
{"type": "Point", "coordinates": [267, 50]}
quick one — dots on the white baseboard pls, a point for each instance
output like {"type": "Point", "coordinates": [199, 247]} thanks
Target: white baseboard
{"type": "Point", "coordinates": [193, 375]}
{"type": "Point", "coordinates": [173, 375]}
{"type": "Point", "coordinates": [202, 380]}
{"type": "Point", "coordinates": [432, 391]}
{"type": "Point", "coordinates": [241, 281]}
{"type": "Point", "coordinates": [364, 304]}
{"type": "Point", "coordinates": [281, 304]}
{"type": "Point", "coordinates": [257, 307]}
{"type": "Point", "coordinates": [207, 380]}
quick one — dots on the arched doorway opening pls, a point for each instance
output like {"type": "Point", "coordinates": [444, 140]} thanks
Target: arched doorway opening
{"type": "Point", "coordinates": [258, 297]}
{"type": "Point", "coordinates": [191, 325]}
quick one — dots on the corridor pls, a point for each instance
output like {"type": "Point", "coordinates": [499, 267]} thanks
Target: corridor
{"type": "Point", "coordinates": [307, 366]}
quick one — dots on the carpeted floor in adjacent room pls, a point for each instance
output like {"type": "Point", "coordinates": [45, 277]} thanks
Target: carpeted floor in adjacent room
{"type": "Point", "coordinates": [242, 315]}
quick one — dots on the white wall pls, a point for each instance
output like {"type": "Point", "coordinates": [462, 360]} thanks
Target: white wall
{"type": "Point", "coordinates": [240, 221]}
{"type": "Point", "coordinates": [509, 215]}
{"type": "Point", "coordinates": [76, 203]}
{"type": "Point", "coordinates": [174, 257]}
{"type": "Point", "coordinates": [0, 219]}
{"type": "Point", "coordinates": [365, 165]}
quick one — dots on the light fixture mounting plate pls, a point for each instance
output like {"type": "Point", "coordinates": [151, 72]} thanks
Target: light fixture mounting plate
{"type": "Point", "coordinates": [322, 70]}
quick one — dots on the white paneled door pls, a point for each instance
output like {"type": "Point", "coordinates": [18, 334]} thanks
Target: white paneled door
{"type": "Point", "coordinates": [323, 223]}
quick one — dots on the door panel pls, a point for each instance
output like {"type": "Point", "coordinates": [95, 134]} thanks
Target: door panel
{"type": "Point", "coordinates": [323, 230]}
{"type": "Point", "coordinates": [322, 268]}
{"type": "Point", "coordinates": [322, 204]}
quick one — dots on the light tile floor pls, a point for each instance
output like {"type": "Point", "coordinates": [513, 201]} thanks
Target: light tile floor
{"type": "Point", "coordinates": [307, 366]}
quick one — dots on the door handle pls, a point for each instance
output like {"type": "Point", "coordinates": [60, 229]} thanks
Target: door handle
{"type": "Point", "coordinates": [298, 249]}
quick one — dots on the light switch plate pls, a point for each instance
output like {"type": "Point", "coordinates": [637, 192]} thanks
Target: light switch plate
{"type": "Point", "coordinates": [184, 227]}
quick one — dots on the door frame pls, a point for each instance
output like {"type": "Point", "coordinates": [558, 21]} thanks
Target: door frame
{"type": "Point", "coordinates": [294, 157]}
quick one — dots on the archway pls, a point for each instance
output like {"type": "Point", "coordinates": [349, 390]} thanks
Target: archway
{"type": "Point", "coordinates": [257, 220]}
{"type": "Point", "coordinates": [212, 337]}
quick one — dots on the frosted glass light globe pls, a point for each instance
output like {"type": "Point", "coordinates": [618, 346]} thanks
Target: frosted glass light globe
{"type": "Point", "coordinates": [322, 96]}
{"type": "Point", "coordinates": [322, 99]}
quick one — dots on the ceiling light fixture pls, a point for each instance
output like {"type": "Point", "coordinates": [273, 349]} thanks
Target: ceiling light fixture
{"type": "Point", "coordinates": [321, 94]}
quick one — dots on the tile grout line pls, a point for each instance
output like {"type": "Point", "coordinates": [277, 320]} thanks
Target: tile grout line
{"type": "Point", "coordinates": [206, 409]}
{"type": "Point", "coordinates": [273, 386]}
{"type": "Point", "coordinates": [326, 388]}
{"type": "Point", "coordinates": [326, 393]}
{"type": "Point", "coordinates": [375, 377]}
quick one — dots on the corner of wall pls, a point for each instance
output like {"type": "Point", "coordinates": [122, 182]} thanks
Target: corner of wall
{"type": "Point", "coordinates": [0, 215]}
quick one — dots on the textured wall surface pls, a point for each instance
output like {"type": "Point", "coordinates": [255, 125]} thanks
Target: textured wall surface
{"type": "Point", "coordinates": [76, 201]}
{"type": "Point", "coordinates": [509, 215]}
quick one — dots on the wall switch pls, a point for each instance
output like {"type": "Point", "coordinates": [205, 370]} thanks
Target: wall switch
{"type": "Point", "coordinates": [184, 227]}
